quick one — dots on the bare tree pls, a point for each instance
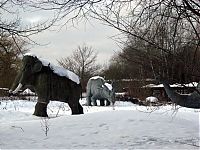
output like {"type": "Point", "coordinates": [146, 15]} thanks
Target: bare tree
{"type": "Point", "coordinates": [10, 53]}
{"type": "Point", "coordinates": [175, 62]}
{"type": "Point", "coordinates": [15, 25]}
{"type": "Point", "coordinates": [82, 62]}
{"type": "Point", "coordinates": [117, 69]}
{"type": "Point", "coordinates": [132, 17]}
{"type": "Point", "coordinates": [129, 17]}
{"type": "Point", "coordinates": [124, 15]}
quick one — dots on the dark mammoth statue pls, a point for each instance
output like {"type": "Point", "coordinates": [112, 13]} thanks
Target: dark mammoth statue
{"type": "Point", "coordinates": [50, 83]}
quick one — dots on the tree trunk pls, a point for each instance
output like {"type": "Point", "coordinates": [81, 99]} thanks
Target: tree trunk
{"type": "Point", "coordinates": [41, 110]}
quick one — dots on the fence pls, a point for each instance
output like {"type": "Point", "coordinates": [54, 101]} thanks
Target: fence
{"type": "Point", "coordinates": [22, 95]}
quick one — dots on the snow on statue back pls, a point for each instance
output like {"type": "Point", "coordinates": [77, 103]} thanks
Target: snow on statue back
{"type": "Point", "coordinates": [98, 89]}
{"type": "Point", "coordinates": [58, 70]}
{"type": "Point", "coordinates": [50, 83]}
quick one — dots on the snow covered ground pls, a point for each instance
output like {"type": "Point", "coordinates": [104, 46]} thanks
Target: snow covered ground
{"type": "Point", "coordinates": [128, 126]}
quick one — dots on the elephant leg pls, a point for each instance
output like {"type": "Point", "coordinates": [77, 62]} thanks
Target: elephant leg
{"type": "Point", "coordinates": [41, 109]}
{"type": "Point", "coordinates": [94, 101]}
{"type": "Point", "coordinates": [74, 107]}
{"type": "Point", "coordinates": [102, 102]}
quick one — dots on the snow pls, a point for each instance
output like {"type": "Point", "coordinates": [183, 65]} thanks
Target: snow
{"type": "Point", "coordinates": [58, 70]}
{"type": "Point", "coordinates": [6, 89]}
{"type": "Point", "coordinates": [28, 92]}
{"type": "Point", "coordinates": [109, 86]}
{"type": "Point", "coordinates": [96, 77]}
{"type": "Point", "coordinates": [193, 84]}
{"type": "Point", "coordinates": [151, 99]}
{"type": "Point", "coordinates": [129, 126]}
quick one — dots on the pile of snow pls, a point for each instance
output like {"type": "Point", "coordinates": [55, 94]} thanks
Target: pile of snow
{"type": "Point", "coordinates": [151, 99]}
{"type": "Point", "coordinates": [127, 127]}
{"type": "Point", "coordinates": [28, 92]}
{"type": "Point", "coordinates": [58, 70]}
{"type": "Point", "coordinates": [120, 93]}
{"type": "Point", "coordinates": [109, 86]}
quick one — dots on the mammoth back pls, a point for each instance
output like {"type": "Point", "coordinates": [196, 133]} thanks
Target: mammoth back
{"type": "Point", "coordinates": [55, 79]}
{"type": "Point", "coordinates": [96, 82]}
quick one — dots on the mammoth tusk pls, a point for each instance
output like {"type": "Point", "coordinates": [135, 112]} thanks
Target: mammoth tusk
{"type": "Point", "coordinates": [17, 89]}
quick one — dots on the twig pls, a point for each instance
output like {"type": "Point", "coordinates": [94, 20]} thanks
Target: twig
{"type": "Point", "coordinates": [18, 127]}
{"type": "Point", "coordinates": [45, 125]}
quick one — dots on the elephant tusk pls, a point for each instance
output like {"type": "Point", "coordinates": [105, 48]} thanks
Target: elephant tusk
{"type": "Point", "coordinates": [17, 89]}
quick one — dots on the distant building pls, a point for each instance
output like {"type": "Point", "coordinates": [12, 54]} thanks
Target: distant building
{"type": "Point", "coordinates": [132, 87]}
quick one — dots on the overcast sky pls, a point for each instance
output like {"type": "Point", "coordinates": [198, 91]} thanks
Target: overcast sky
{"type": "Point", "coordinates": [61, 43]}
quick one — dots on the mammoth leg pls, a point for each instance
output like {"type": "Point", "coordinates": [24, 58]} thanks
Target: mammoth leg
{"type": "Point", "coordinates": [88, 99]}
{"type": "Point", "coordinates": [102, 102]}
{"type": "Point", "coordinates": [80, 108]}
{"type": "Point", "coordinates": [41, 109]}
{"type": "Point", "coordinates": [94, 101]}
{"type": "Point", "coordinates": [74, 107]}
{"type": "Point", "coordinates": [107, 103]}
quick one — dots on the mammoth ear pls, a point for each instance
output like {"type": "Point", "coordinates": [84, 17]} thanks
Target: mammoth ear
{"type": "Point", "coordinates": [37, 67]}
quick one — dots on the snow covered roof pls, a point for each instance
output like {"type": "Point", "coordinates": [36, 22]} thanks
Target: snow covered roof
{"type": "Point", "coordinates": [5, 89]}
{"type": "Point", "coordinates": [193, 84]}
{"type": "Point", "coordinates": [58, 70]}
{"type": "Point", "coordinates": [28, 91]}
